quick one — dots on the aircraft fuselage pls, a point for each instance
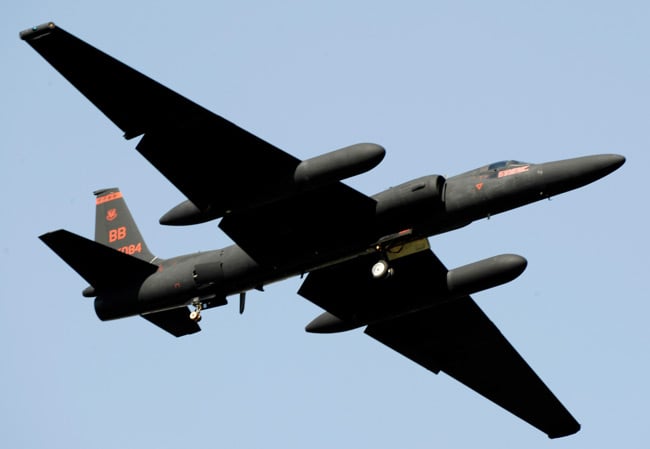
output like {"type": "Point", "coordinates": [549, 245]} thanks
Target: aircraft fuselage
{"type": "Point", "coordinates": [405, 213]}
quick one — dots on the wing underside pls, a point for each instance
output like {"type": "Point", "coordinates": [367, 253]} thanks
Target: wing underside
{"type": "Point", "coordinates": [454, 336]}
{"type": "Point", "coordinates": [221, 168]}
{"type": "Point", "coordinates": [214, 162]}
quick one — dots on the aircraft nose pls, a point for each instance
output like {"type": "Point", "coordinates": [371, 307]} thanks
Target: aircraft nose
{"type": "Point", "coordinates": [568, 174]}
{"type": "Point", "coordinates": [598, 165]}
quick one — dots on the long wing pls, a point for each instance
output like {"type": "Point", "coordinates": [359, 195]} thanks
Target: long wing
{"type": "Point", "coordinates": [217, 165]}
{"type": "Point", "coordinates": [201, 153]}
{"type": "Point", "coordinates": [453, 336]}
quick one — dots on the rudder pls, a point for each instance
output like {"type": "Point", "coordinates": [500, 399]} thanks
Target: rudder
{"type": "Point", "coordinates": [115, 226]}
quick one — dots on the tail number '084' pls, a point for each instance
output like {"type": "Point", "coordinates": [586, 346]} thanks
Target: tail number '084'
{"type": "Point", "coordinates": [131, 249]}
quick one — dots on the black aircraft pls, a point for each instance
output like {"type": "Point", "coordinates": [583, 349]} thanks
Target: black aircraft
{"type": "Point", "coordinates": [367, 258]}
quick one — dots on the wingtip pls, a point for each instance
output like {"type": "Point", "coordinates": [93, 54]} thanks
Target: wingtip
{"type": "Point", "coordinates": [575, 428]}
{"type": "Point", "coordinates": [37, 31]}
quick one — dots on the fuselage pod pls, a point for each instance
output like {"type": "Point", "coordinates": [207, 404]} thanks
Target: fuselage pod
{"type": "Point", "coordinates": [339, 164]}
{"type": "Point", "coordinates": [458, 283]}
{"type": "Point", "coordinates": [308, 174]}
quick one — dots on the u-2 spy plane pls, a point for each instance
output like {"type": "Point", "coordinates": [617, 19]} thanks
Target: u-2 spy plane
{"type": "Point", "coordinates": [367, 258]}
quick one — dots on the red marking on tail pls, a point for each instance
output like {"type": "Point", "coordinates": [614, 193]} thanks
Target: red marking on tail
{"type": "Point", "coordinates": [107, 198]}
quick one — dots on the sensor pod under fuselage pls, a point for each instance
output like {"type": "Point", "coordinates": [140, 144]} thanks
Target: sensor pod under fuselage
{"type": "Point", "coordinates": [460, 282]}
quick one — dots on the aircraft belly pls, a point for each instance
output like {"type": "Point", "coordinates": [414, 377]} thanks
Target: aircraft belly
{"type": "Point", "coordinates": [306, 229]}
{"type": "Point", "coordinates": [349, 291]}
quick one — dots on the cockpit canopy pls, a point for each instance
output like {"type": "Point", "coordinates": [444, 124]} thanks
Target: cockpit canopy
{"type": "Point", "coordinates": [492, 170]}
{"type": "Point", "coordinates": [497, 166]}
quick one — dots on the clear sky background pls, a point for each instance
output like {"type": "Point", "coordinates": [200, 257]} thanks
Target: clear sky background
{"type": "Point", "coordinates": [444, 86]}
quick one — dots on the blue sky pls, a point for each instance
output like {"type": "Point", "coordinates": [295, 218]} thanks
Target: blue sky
{"type": "Point", "coordinates": [444, 86]}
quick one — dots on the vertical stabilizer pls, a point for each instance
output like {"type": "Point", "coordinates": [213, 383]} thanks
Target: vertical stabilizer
{"type": "Point", "coordinates": [115, 226]}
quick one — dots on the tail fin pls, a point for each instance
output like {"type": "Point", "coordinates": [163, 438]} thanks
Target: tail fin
{"type": "Point", "coordinates": [116, 228]}
{"type": "Point", "coordinates": [115, 276]}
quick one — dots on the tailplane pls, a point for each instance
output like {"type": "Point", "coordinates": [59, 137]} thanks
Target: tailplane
{"type": "Point", "coordinates": [97, 261]}
{"type": "Point", "coordinates": [100, 266]}
{"type": "Point", "coordinates": [116, 264]}
{"type": "Point", "coordinates": [115, 226]}
{"type": "Point", "coordinates": [109, 271]}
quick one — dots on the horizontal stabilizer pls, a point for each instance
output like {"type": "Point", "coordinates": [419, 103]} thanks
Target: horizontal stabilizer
{"type": "Point", "coordinates": [98, 264]}
{"type": "Point", "coordinates": [175, 321]}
